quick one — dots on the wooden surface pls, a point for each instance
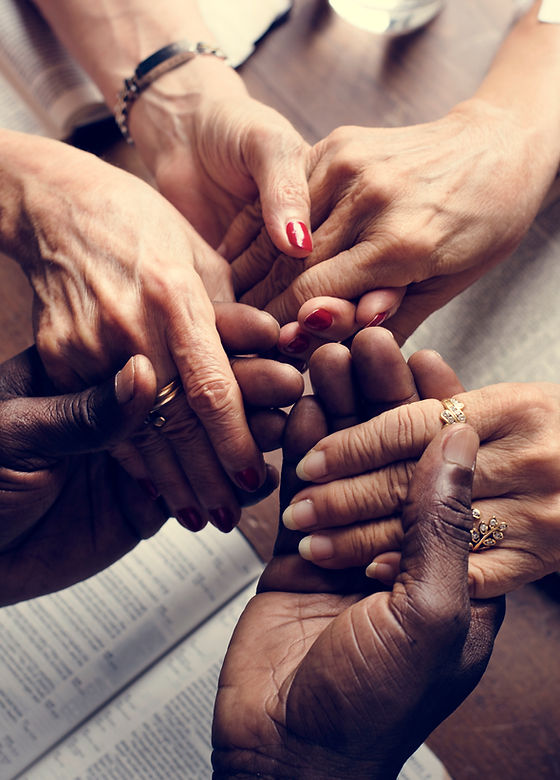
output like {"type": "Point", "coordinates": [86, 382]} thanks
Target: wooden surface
{"type": "Point", "coordinates": [321, 72]}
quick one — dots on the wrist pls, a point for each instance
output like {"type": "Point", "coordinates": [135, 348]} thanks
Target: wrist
{"type": "Point", "coordinates": [530, 152]}
{"type": "Point", "coordinates": [165, 116]}
{"type": "Point", "coordinates": [305, 761]}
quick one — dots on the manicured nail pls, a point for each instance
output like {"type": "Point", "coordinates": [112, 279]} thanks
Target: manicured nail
{"type": "Point", "coordinates": [383, 572]}
{"type": "Point", "coordinates": [461, 447]}
{"type": "Point", "coordinates": [248, 479]}
{"type": "Point", "coordinates": [298, 235]}
{"type": "Point", "coordinates": [124, 383]}
{"type": "Point", "coordinates": [223, 519]}
{"type": "Point", "coordinates": [378, 319]}
{"type": "Point", "coordinates": [319, 319]}
{"type": "Point", "coordinates": [316, 548]}
{"type": "Point", "coordinates": [298, 344]}
{"type": "Point", "coordinates": [190, 519]}
{"type": "Point", "coordinates": [300, 516]}
{"type": "Point", "coordinates": [313, 466]}
{"type": "Point", "coordinates": [149, 488]}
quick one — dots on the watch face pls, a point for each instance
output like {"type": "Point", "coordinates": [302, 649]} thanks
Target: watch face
{"type": "Point", "coordinates": [550, 11]}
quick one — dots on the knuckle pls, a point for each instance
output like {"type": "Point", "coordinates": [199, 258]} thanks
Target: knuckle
{"type": "Point", "coordinates": [211, 396]}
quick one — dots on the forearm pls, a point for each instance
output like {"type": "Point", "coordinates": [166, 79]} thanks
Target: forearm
{"type": "Point", "coordinates": [110, 37]}
{"type": "Point", "coordinates": [523, 81]}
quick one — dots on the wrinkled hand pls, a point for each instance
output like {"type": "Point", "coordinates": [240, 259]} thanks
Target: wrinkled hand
{"type": "Point", "coordinates": [213, 149]}
{"type": "Point", "coordinates": [345, 684]}
{"type": "Point", "coordinates": [117, 271]}
{"type": "Point", "coordinates": [67, 508]}
{"type": "Point", "coordinates": [430, 208]}
{"type": "Point", "coordinates": [365, 470]}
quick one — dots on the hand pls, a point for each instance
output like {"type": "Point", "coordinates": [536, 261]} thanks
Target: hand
{"type": "Point", "coordinates": [430, 208]}
{"type": "Point", "coordinates": [213, 149]}
{"type": "Point", "coordinates": [366, 469]}
{"type": "Point", "coordinates": [67, 508]}
{"type": "Point", "coordinates": [115, 271]}
{"type": "Point", "coordinates": [342, 683]}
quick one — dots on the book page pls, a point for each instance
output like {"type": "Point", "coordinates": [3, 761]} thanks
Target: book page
{"type": "Point", "coordinates": [160, 726]}
{"type": "Point", "coordinates": [40, 70]}
{"type": "Point", "coordinates": [64, 655]}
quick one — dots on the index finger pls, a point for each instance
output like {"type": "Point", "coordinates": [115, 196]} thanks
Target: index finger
{"type": "Point", "coordinates": [211, 389]}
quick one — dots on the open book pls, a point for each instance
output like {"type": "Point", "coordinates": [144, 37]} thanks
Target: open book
{"type": "Point", "coordinates": [44, 91]}
{"type": "Point", "coordinates": [116, 677]}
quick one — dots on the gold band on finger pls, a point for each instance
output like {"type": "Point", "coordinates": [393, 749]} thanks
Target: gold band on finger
{"type": "Point", "coordinates": [165, 396]}
{"type": "Point", "coordinates": [452, 411]}
{"type": "Point", "coordinates": [486, 535]}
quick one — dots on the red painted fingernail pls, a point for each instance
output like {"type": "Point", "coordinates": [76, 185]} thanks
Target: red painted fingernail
{"type": "Point", "coordinates": [319, 319]}
{"type": "Point", "coordinates": [248, 479]}
{"type": "Point", "coordinates": [298, 235]}
{"type": "Point", "coordinates": [378, 319]}
{"type": "Point", "coordinates": [299, 344]}
{"type": "Point", "coordinates": [149, 488]}
{"type": "Point", "coordinates": [190, 519]}
{"type": "Point", "coordinates": [222, 518]}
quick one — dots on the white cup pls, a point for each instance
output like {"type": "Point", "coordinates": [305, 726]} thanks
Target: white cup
{"type": "Point", "coordinates": [389, 17]}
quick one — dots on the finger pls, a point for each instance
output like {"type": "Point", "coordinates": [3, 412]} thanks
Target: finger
{"type": "Point", "coordinates": [35, 432]}
{"type": "Point", "coordinates": [347, 275]}
{"type": "Point", "coordinates": [267, 427]}
{"type": "Point", "coordinates": [267, 383]}
{"type": "Point", "coordinates": [436, 521]}
{"type": "Point", "coordinates": [280, 171]}
{"type": "Point", "coordinates": [376, 306]}
{"type": "Point", "coordinates": [305, 425]}
{"type": "Point", "coordinates": [330, 371]}
{"type": "Point", "coordinates": [332, 319]}
{"type": "Point", "coordinates": [186, 471]}
{"type": "Point", "coordinates": [347, 501]}
{"type": "Point", "coordinates": [212, 392]}
{"type": "Point", "coordinates": [244, 329]}
{"type": "Point", "coordinates": [396, 435]}
{"type": "Point", "coordinates": [244, 229]}
{"type": "Point", "coordinates": [434, 378]}
{"type": "Point", "coordinates": [166, 478]}
{"type": "Point", "coordinates": [342, 548]}
{"type": "Point", "coordinates": [253, 265]}
{"type": "Point", "coordinates": [384, 379]}
{"type": "Point", "coordinates": [293, 342]}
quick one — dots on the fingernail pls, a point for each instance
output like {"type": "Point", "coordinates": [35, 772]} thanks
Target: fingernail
{"type": "Point", "coordinates": [298, 235]}
{"type": "Point", "coordinates": [319, 319]}
{"type": "Point", "coordinates": [248, 479]}
{"type": "Point", "coordinates": [124, 383]}
{"type": "Point", "coordinates": [316, 548]}
{"type": "Point", "coordinates": [149, 488]}
{"type": "Point", "coordinates": [190, 519]}
{"type": "Point", "coordinates": [299, 344]}
{"type": "Point", "coordinates": [223, 519]}
{"type": "Point", "coordinates": [313, 466]}
{"type": "Point", "coordinates": [378, 319]}
{"type": "Point", "coordinates": [300, 516]}
{"type": "Point", "coordinates": [383, 572]}
{"type": "Point", "coordinates": [461, 447]}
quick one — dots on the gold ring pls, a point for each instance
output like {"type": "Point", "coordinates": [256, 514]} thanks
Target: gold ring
{"type": "Point", "coordinates": [452, 411]}
{"type": "Point", "coordinates": [486, 535]}
{"type": "Point", "coordinates": [165, 396]}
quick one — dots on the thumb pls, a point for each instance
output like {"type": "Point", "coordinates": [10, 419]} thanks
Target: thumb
{"type": "Point", "coordinates": [280, 172]}
{"type": "Point", "coordinates": [36, 432]}
{"type": "Point", "coordinates": [436, 521]}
